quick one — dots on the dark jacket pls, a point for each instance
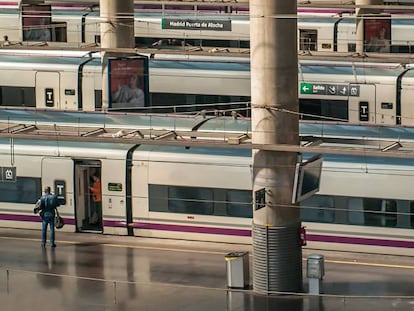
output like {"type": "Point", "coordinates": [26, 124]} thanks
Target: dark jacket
{"type": "Point", "coordinates": [48, 204]}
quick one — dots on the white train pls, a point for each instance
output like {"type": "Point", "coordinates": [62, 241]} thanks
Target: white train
{"type": "Point", "coordinates": [364, 204]}
{"type": "Point", "coordinates": [318, 29]}
{"type": "Point", "coordinates": [364, 93]}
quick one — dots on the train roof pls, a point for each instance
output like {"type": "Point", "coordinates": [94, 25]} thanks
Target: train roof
{"type": "Point", "coordinates": [216, 155]}
{"type": "Point", "coordinates": [305, 67]}
{"type": "Point", "coordinates": [181, 154]}
{"type": "Point", "coordinates": [199, 65]}
{"type": "Point", "coordinates": [192, 155]}
{"type": "Point", "coordinates": [351, 68]}
{"type": "Point", "coordinates": [356, 135]}
{"type": "Point", "coordinates": [56, 148]}
{"type": "Point", "coordinates": [320, 63]}
{"type": "Point", "coordinates": [225, 125]}
{"type": "Point", "coordinates": [210, 64]}
{"type": "Point", "coordinates": [45, 60]}
{"type": "Point", "coordinates": [101, 120]}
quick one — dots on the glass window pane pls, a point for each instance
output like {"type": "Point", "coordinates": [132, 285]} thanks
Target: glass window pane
{"type": "Point", "coordinates": [24, 190]}
{"type": "Point", "coordinates": [318, 208]}
{"type": "Point", "coordinates": [190, 200]}
{"type": "Point", "coordinates": [239, 203]}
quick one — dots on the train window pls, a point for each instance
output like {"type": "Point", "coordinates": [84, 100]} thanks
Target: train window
{"type": "Point", "coordinates": [239, 203]}
{"type": "Point", "coordinates": [351, 47]}
{"type": "Point", "coordinates": [17, 96]}
{"type": "Point", "coordinates": [389, 208]}
{"type": "Point", "coordinates": [168, 42]}
{"type": "Point", "coordinates": [318, 208]}
{"type": "Point", "coordinates": [158, 101]}
{"type": "Point", "coordinates": [308, 39]}
{"type": "Point", "coordinates": [98, 100]}
{"type": "Point", "coordinates": [197, 102]}
{"type": "Point", "coordinates": [323, 109]}
{"type": "Point", "coordinates": [407, 49]}
{"type": "Point", "coordinates": [412, 214]}
{"type": "Point", "coordinates": [372, 209]}
{"type": "Point", "coordinates": [356, 211]}
{"type": "Point", "coordinates": [380, 213]}
{"type": "Point", "coordinates": [59, 31]}
{"type": "Point", "coordinates": [190, 200]}
{"type": "Point", "coordinates": [24, 190]}
{"type": "Point", "coordinates": [201, 201]}
{"type": "Point", "coordinates": [175, 199]}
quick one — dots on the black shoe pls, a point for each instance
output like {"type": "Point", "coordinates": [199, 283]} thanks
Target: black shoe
{"type": "Point", "coordinates": [53, 245]}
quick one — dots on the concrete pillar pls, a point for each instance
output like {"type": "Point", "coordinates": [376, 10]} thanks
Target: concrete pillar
{"type": "Point", "coordinates": [277, 255]}
{"type": "Point", "coordinates": [360, 12]}
{"type": "Point", "coordinates": [117, 31]}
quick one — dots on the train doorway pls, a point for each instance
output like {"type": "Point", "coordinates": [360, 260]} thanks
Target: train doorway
{"type": "Point", "coordinates": [88, 196]}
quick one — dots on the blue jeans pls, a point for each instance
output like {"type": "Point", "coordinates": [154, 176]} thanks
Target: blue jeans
{"type": "Point", "coordinates": [48, 219]}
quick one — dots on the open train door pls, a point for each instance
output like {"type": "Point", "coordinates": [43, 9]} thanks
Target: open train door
{"type": "Point", "coordinates": [88, 210]}
{"type": "Point", "coordinates": [57, 173]}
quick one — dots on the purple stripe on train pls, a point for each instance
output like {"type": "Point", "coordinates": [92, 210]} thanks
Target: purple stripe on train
{"type": "Point", "coordinates": [225, 231]}
{"type": "Point", "coordinates": [310, 237]}
{"type": "Point", "coordinates": [360, 241]}
{"type": "Point", "coordinates": [31, 218]}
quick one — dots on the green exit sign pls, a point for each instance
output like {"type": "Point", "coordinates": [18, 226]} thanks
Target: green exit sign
{"type": "Point", "coordinates": [306, 88]}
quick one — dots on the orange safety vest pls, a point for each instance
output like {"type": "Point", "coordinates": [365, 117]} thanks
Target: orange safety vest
{"type": "Point", "coordinates": [96, 191]}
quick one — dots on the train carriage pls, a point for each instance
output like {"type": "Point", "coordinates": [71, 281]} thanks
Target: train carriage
{"type": "Point", "coordinates": [363, 204]}
{"type": "Point", "coordinates": [350, 92]}
{"type": "Point", "coordinates": [319, 29]}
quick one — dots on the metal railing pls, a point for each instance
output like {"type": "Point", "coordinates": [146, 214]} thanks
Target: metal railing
{"type": "Point", "coordinates": [26, 290]}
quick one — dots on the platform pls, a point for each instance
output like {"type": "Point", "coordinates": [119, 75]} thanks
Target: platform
{"type": "Point", "coordinates": [111, 273]}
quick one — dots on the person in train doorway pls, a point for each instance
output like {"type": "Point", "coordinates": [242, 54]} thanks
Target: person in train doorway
{"type": "Point", "coordinates": [96, 199]}
{"type": "Point", "coordinates": [47, 208]}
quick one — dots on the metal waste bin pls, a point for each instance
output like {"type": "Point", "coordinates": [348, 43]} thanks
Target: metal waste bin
{"type": "Point", "coordinates": [238, 274]}
{"type": "Point", "coordinates": [315, 272]}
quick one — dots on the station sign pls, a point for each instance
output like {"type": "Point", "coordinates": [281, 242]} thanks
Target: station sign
{"type": "Point", "coordinates": [329, 89]}
{"type": "Point", "coordinates": [196, 24]}
{"type": "Point", "coordinates": [8, 173]}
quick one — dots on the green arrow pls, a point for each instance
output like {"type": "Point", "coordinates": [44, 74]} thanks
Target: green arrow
{"type": "Point", "coordinates": [305, 88]}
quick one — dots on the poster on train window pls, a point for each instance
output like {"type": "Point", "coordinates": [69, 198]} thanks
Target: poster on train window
{"type": "Point", "coordinates": [128, 83]}
{"type": "Point", "coordinates": [36, 20]}
{"type": "Point", "coordinates": [377, 33]}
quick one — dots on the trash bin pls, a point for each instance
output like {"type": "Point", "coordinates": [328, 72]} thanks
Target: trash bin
{"type": "Point", "coordinates": [315, 271]}
{"type": "Point", "coordinates": [315, 266]}
{"type": "Point", "coordinates": [238, 274]}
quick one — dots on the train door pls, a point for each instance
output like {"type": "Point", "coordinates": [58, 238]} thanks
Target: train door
{"type": "Point", "coordinates": [57, 173]}
{"type": "Point", "coordinates": [47, 90]}
{"type": "Point", "coordinates": [88, 196]}
{"type": "Point", "coordinates": [405, 109]}
{"type": "Point", "coordinates": [362, 103]}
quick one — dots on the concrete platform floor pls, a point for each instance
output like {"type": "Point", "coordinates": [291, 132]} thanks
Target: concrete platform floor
{"type": "Point", "coordinates": [111, 273]}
